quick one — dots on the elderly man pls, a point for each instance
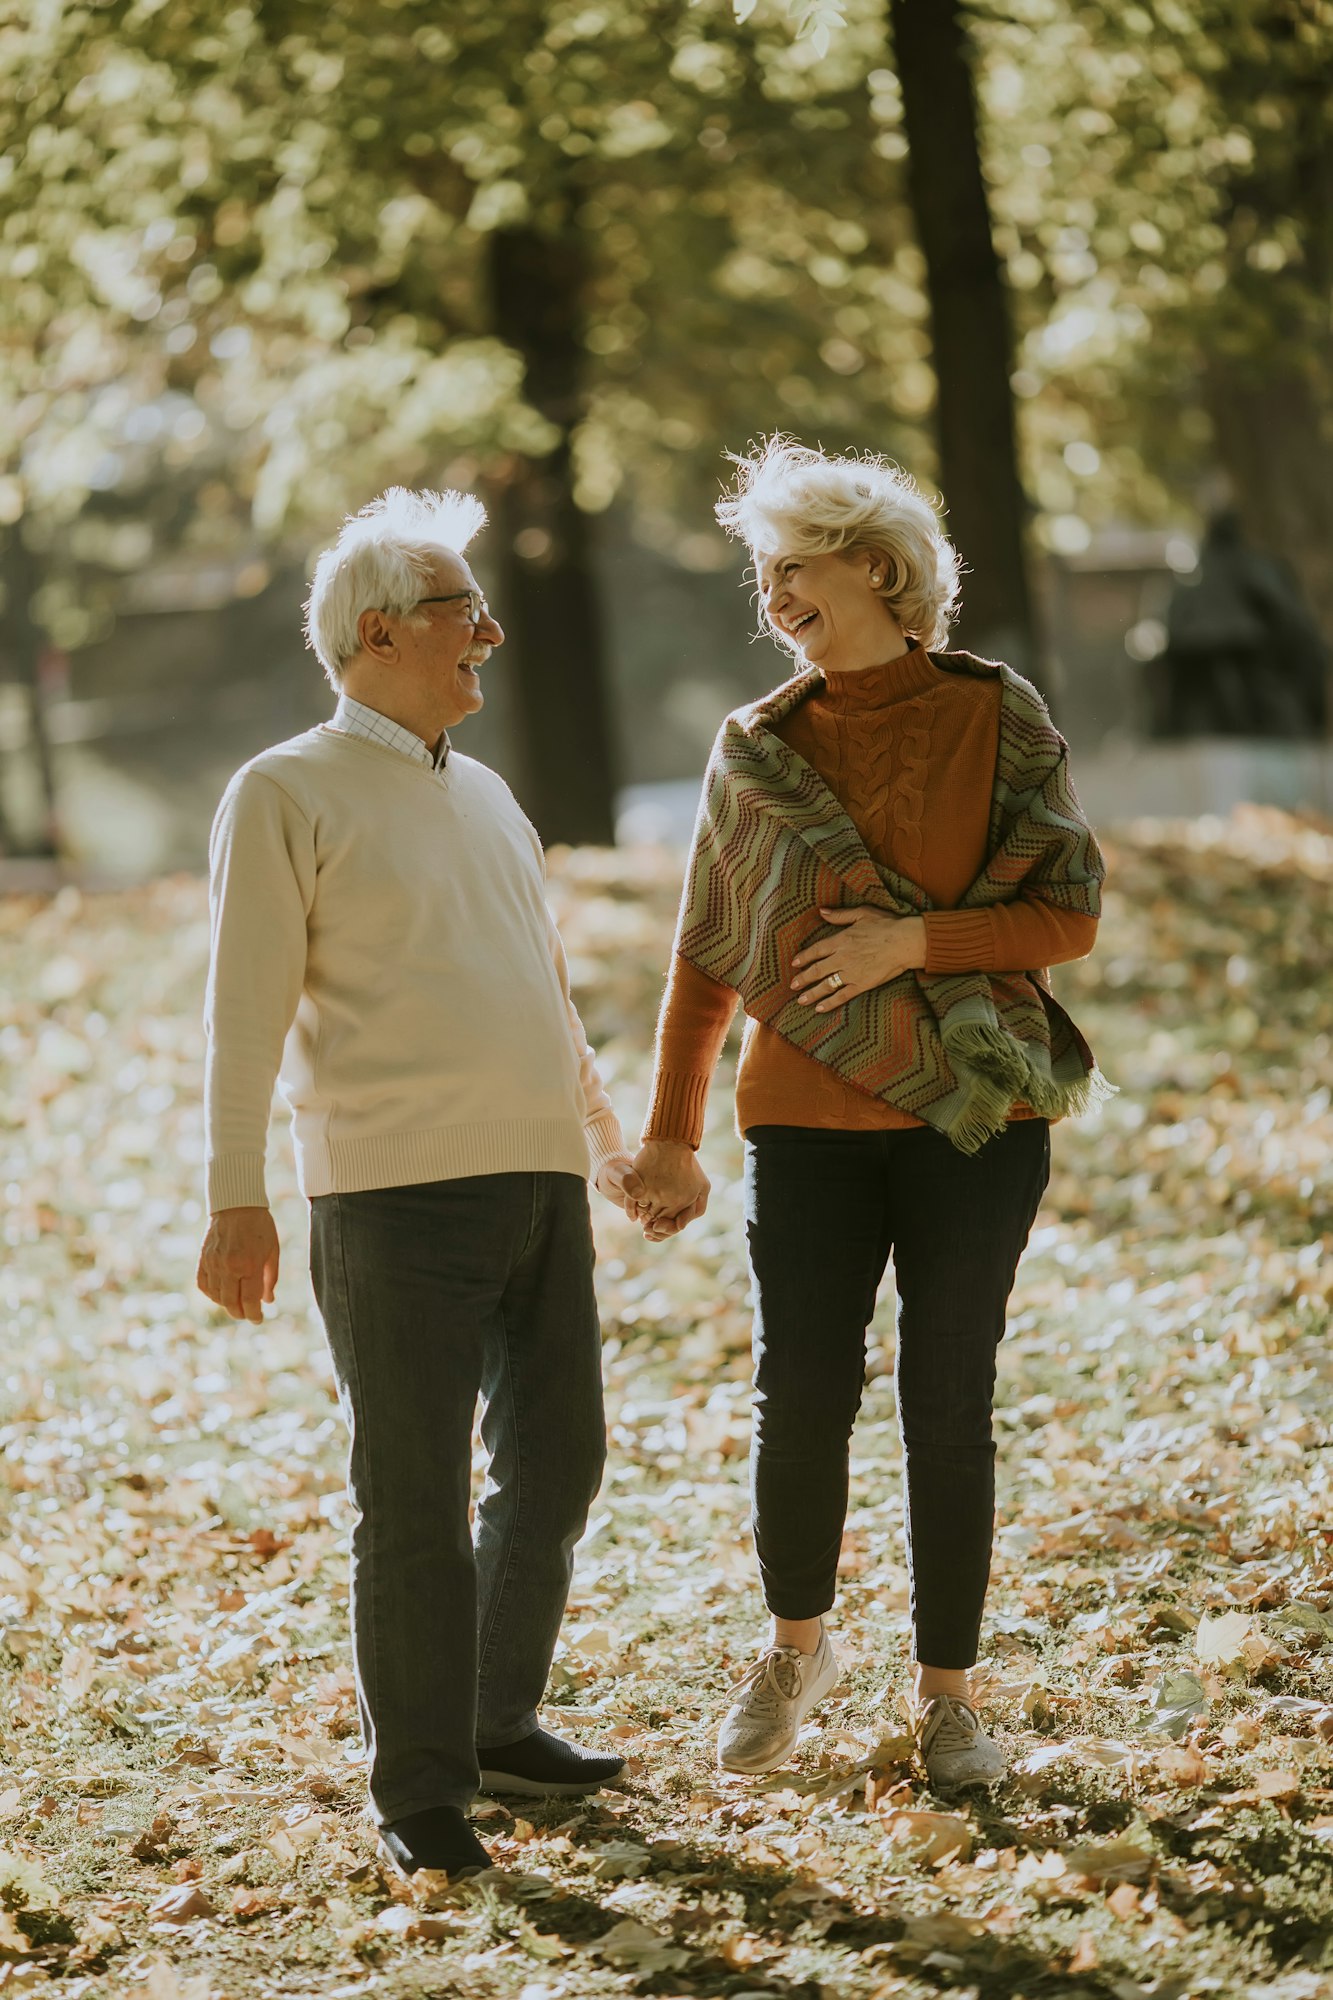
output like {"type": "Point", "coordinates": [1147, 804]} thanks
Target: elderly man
{"type": "Point", "coordinates": [380, 938]}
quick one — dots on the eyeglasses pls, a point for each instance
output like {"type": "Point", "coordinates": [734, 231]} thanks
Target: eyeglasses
{"type": "Point", "coordinates": [477, 607]}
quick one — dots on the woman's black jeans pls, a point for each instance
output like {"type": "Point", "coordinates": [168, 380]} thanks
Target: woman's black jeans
{"type": "Point", "coordinates": [824, 1211]}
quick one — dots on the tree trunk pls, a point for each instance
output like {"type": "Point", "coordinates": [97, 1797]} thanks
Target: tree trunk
{"type": "Point", "coordinates": [974, 420]}
{"type": "Point", "coordinates": [556, 649]}
{"type": "Point", "coordinates": [21, 640]}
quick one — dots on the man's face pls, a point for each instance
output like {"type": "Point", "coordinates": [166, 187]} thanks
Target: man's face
{"type": "Point", "coordinates": [441, 647]}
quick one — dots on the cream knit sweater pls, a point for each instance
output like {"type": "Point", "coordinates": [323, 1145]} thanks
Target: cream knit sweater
{"type": "Point", "coordinates": [381, 946]}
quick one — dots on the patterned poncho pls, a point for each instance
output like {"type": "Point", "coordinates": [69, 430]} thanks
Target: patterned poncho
{"type": "Point", "coordinates": [772, 846]}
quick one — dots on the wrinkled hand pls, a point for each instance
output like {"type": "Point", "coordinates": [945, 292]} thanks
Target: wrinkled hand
{"type": "Point", "coordinates": [618, 1183]}
{"type": "Point", "coordinates": [870, 950]}
{"type": "Point", "coordinates": [676, 1188]}
{"type": "Point", "coordinates": [238, 1264]}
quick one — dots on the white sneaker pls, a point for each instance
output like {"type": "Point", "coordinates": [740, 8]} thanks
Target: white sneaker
{"type": "Point", "coordinates": [772, 1701]}
{"type": "Point", "coordinates": [954, 1747]}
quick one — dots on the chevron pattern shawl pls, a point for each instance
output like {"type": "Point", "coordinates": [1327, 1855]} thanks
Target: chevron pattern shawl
{"type": "Point", "coordinates": [772, 844]}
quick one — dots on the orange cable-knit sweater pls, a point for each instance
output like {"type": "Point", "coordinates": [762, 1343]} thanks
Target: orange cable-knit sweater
{"type": "Point", "coordinates": [908, 750]}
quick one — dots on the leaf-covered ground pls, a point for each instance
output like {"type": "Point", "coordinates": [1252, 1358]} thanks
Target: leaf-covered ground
{"type": "Point", "coordinates": [180, 1795]}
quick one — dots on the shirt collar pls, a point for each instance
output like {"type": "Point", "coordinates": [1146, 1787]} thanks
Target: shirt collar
{"type": "Point", "coordinates": [354, 718]}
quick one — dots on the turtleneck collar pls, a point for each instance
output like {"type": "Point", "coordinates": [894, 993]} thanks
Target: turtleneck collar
{"type": "Point", "coordinates": [912, 673]}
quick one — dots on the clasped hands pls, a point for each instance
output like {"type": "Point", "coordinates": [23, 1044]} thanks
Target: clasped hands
{"type": "Point", "coordinates": [664, 1187]}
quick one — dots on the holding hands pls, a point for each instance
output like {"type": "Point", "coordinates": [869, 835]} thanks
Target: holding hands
{"type": "Point", "coordinates": [664, 1188]}
{"type": "Point", "coordinates": [870, 950]}
{"type": "Point", "coordinates": [676, 1187]}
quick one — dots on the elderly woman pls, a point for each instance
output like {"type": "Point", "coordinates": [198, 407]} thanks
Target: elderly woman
{"type": "Point", "coordinates": [888, 853]}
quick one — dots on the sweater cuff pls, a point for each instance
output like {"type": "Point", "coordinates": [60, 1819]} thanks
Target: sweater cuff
{"type": "Point", "coordinates": [236, 1180]}
{"type": "Point", "coordinates": [677, 1110]}
{"type": "Point", "coordinates": [958, 941]}
{"type": "Point", "coordinates": [605, 1140]}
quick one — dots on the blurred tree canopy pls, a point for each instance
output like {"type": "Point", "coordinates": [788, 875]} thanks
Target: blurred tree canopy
{"type": "Point", "coordinates": [1162, 188]}
{"type": "Point", "coordinates": [260, 259]}
{"type": "Point", "coordinates": [334, 251]}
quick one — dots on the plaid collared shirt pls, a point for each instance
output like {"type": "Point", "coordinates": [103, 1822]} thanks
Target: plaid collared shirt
{"type": "Point", "coordinates": [353, 718]}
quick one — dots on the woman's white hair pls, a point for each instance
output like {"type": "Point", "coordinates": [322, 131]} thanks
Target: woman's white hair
{"type": "Point", "coordinates": [792, 501]}
{"type": "Point", "coordinates": [380, 561]}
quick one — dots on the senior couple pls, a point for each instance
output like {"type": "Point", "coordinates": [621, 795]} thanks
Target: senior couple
{"type": "Point", "coordinates": [888, 855]}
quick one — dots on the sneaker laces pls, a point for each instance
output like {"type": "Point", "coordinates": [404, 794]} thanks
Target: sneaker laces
{"type": "Point", "coordinates": [775, 1677]}
{"type": "Point", "coordinates": [949, 1724]}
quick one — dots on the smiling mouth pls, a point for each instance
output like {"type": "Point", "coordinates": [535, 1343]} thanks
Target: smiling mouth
{"type": "Point", "coordinates": [801, 623]}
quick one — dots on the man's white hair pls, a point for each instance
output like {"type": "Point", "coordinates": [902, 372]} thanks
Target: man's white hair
{"type": "Point", "coordinates": [380, 561]}
{"type": "Point", "coordinates": [789, 500]}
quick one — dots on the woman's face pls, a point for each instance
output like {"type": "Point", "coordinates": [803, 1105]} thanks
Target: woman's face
{"type": "Point", "coordinates": [826, 610]}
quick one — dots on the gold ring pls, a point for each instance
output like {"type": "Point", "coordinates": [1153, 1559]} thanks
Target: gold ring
{"type": "Point", "coordinates": [835, 980]}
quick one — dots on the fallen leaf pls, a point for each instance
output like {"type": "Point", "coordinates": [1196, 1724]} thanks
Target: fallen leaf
{"type": "Point", "coordinates": [885, 1789]}
{"type": "Point", "coordinates": [12, 1938]}
{"type": "Point", "coordinates": [942, 1931]}
{"type": "Point", "coordinates": [1278, 1784]}
{"type": "Point", "coordinates": [934, 1836]}
{"type": "Point", "coordinates": [1181, 1766]}
{"type": "Point", "coordinates": [296, 1829]}
{"type": "Point", "coordinates": [181, 1906]}
{"type": "Point", "coordinates": [164, 1981]}
{"type": "Point", "coordinates": [401, 1920]}
{"type": "Point", "coordinates": [1177, 1700]}
{"type": "Point", "coordinates": [1084, 1957]}
{"type": "Point", "coordinates": [247, 1904]}
{"type": "Point", "coordinates": [1304, 1621]}
{"type": "Point", "coordinates": [1098, 1861]}
{"type": "Point", "coordinates": [621, 1861]}
{"type": "Point", "coordinates": [1220, 1640]}
{"type": "Point", "coordinates": [633, 1944]}
{"type": "Point", "coordinates": [741, 1952]}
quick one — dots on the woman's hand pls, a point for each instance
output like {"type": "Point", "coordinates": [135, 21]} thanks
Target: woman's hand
{"type": "Point", "coordinates": [870, 950]}
{"type": "Point", "coordinates": [675, 1187]}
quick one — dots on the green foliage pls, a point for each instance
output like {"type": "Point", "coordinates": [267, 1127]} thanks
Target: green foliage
{"type": "Point", "coordinates": [282, 216]}
{"type": "Point", "coordinates": [244, 266]}
{"type": "Point", "coordinates": [1160, 179]}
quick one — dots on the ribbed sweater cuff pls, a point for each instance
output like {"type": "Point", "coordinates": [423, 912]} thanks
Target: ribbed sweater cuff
{"type": "Point", "coordinates": [959, 941]}
{"type": "Point", "coordinates": [605, 1140]}
{"type": "Point", "coordinates": [236, 1180]}
{"type": "Point", "coordinates": [677, 1109]}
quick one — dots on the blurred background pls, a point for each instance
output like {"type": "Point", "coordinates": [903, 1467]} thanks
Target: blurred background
{"type": "Point", "coordinates": [1068, 262]}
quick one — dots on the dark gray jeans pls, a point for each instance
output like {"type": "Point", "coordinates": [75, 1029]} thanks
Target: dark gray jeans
{"type": "Point", "coordinates": [431, 1296]}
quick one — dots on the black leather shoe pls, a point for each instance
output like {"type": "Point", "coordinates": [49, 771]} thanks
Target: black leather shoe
{"type": "Point", "coordinates": [542, 1766]}
{"type": "Point", "coordinates": [439, 1838]}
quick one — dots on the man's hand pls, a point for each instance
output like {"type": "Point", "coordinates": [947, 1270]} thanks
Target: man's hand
{"type": "Point", "coordinates": [618, 1183]}
{"type": "Point", "coordinates": [872, 949]}
{"type": "Point", "coordinates": [676, 1188]}
{"type": "Point", "coordinates": [238, 1264]}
